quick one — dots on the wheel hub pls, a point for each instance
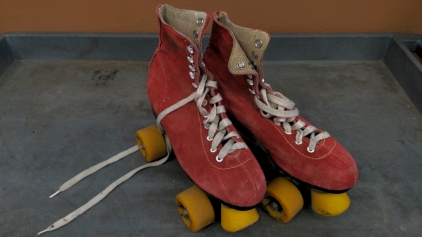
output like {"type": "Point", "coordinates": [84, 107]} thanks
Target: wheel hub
{"type": "Point", "coordinates": [274, 205]}
{"type": "Point", "coordinates": [185, 214]}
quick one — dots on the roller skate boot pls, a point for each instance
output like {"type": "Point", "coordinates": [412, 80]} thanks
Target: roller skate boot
{"type": "Point", "coordinates": [191, 121]}
{"type": "Point", "coordinates": [302, 154]}
{"type": "Point", "coordinates": [191, 114]}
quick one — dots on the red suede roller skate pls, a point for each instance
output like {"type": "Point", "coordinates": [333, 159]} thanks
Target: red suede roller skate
{"type": "Point", "coordinates": [182, 92]}
{"type": "Point", "coordinates": [192, 117]}
{"type": "Point", "coordinates": [303, 154]}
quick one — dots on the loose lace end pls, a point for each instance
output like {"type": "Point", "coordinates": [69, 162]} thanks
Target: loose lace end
{"type": "Point", "coordinates": [54, 194]}
{"type": "Point", "coordinates": [65, 220]}
{"type": "Point", "coordinates": [46, 230]}
{"type": "Point", "coordinates": [94, 169]}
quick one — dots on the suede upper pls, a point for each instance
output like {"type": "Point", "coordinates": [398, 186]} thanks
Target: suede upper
{"type": "Point", "coordinates": [238, 179]}
{"type": "Point", "coordinates": [329, 167]}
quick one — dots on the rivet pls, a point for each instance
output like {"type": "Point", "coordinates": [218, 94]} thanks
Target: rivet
{"type": "Point", "coordinates": [200, 21]}
{"type": "Point", "coordinates": [274, 206]}
{"type": "Point", "coordinates": [195, 33]}
{"type": "Point", "coordinates": [255, 55]}
{"type": "Point", "coordinates": [240, 65]}
{"type": "Point", "coordinates": [185, 214]}
{"type": "Point", "coordinates": [258, 43]}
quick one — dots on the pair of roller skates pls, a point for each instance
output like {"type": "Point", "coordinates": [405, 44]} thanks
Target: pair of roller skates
{"type": "Point", "coordinates": [197, 98]}
{"type": "Point", "coordinates": [228, 81]}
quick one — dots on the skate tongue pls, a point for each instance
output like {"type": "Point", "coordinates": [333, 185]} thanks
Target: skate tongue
{"type": "Point", "coordinates": [239, 63]}
{"type": "Point", "coordinates": [189, 23]}
{"type": "Point", "coordinates": [253, 42]}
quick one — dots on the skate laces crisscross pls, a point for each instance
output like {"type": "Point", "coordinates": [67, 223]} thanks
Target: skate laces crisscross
{"type": "Point", "coordinates": [283, 111]}
{"type": "Point", "coordinates": [216, 126]}
{"type": "Point", "coordinates": [213, 122]}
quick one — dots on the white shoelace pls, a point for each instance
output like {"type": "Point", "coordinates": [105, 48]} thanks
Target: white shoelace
{"type": "Point", "coordinates": [212, 123]}
{"type": "Point", "coordinates": [283, 111]}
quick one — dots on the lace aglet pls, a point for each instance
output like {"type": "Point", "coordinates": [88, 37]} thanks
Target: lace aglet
{"type": "Point", "coordinates": [42, 232]}
{"type": "Point", "coordinates": [54, 194]}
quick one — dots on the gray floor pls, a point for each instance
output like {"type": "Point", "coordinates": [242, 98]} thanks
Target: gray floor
{"type": "Point", "coordinates": [60, 117]}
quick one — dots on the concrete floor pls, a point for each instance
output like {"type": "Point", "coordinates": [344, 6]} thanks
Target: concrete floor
{"type": "Point", "coordinates": [59, 117]}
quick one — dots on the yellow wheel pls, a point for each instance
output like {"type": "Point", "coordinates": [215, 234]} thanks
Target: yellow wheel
{"type": "Point", "coordinates": [195, 208]}
{"type": "Point", "coordinates": [329, 204]}
{"type": "Point", "coordinates": [151, 143]}
{"type": "Point", "coordinates": [282, 200]}
{"type": "Point", "coordinates": [233, 220]}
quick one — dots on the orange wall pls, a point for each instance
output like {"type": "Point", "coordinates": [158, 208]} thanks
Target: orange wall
{"type": "Point", "coordinates": [138, 16]}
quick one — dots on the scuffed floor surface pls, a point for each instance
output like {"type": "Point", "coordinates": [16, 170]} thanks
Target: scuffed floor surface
{"type": "Point", "coordinates": [59, 117]}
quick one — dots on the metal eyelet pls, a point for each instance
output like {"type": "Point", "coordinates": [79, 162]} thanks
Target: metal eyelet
{"type": "Point", "coordinates": [192, 75]}
{"type": "Point", "coordinates": [203, 64]}
{"type": "Point", "coordinates": [195, 33]}
{"type": "Point", "coordinates": [200, 21]}
{"type": "Point", "coordinates": [190, 59]}
{"type": "Point", "coordinates": [252, 91]}
{"type": "Point", "coordinates": [262, 80]}
{"type": "Point", "coordinates": [258, 43]}
{"type": "Point", "coordinates": [250, 82]}
{"type": "Point", "coordinates": [250, 76]}
{"type": "Point", "coordinates": [190, 49]}
{"type": "Point", "coordinates": [310, 151]}
{"type": "Point", "coordinates": [192, 68]}
{"type": "Point", "coordinates": [195, 85]}
{"type": "Point", "coordinates": [209, 139]}
{"type": "Point", "coordinates": [205, 102]}
{"type": "Point", "coordinates": [298, 143]}
{"type": "Point", "coordinates": [213, 150]}
{"type": "Point", "coordinates": [240, 65]}
{"type": "Point", "coordinates": [218, 159]}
